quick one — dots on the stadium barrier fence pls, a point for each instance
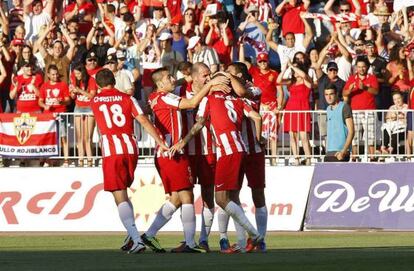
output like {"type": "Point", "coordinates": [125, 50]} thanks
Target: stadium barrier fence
{"type": "Point", "coordinates": [368, 148]}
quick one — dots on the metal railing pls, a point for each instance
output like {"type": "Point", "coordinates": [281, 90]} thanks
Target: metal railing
{"type": "Point", "coordinates": [285, 146]}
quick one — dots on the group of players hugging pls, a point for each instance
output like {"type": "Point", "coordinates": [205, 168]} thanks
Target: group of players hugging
{"type": "Point", "coordinates": [207, 132]}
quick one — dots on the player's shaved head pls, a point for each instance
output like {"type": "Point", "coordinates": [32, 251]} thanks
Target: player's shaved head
{"type": "Point", "coordinates": [158, 74]}
{"type": "Point", "coordinates": [198, 67]}
{"type": "Point", "coordinates": [105, 78]}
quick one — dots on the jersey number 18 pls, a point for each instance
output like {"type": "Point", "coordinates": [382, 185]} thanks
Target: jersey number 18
{"type": "Point", "coordinates": [118, 118]}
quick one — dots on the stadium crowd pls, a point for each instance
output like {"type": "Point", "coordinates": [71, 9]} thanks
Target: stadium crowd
{"type": "Point", "coordinates": [51, 50]}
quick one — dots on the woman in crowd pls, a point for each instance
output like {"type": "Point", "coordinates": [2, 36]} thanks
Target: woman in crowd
{"type": "Point", "coordinates": [26, 57]}
{"type": "Point", "coordinates": [82, 89]}
{"type": "Point", "coordinates": [151, 59]}
{"type": "Point", "coordinates": [296, 123]}
{"type": "Point", "coordinates": [189, 25]}
{"type": "Point", "coordinates": [399, 79]}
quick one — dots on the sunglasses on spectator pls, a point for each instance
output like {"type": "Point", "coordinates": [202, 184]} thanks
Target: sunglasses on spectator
{"type": "Point", "coordinates": [359, 44]}
{"type": "Point", "coordinates": [332, 70]}
{"type": "Point", "coordinates": [91, 60]}
{"type": "Point", "coordinates": [345, 10]}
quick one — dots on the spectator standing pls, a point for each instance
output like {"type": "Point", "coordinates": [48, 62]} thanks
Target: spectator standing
{"type": "Point", "coordinates": [35, 16]}
{"type": "Point", "coordinates": [57, 57]}
{"type": "Point", "coordinates": [361, 89]}
{"type": "Point", "coordinates": [123, 81]}
{"type": "Point", "coordinates": [290, 11]}
{"type": "Point", "coordinates": [271, 99]}
{"type": "Point", "coordinates": [169, 57]}
{"type": "Point", "coordinates": [82, 89]}
{"type": "Point", "coordinates": [296, 123]}
{"type": "Point", "coordinates": [324, 80]}
{"type": "Point", "coordinates": [340, 127]}
{"type": "Point", "coordinates": [26, 90]}
{"type": "Point", "coordinates": [399, 78]}
{"type": "Point", "coordinates": [15, 17]}
{"type": "Point", "coordinates": [287, 52]}
{"type": "Point", "coordinates": [220, 38]}
{"type": "Point", "coordinates": [253, 32]}
{"type": "Point", "coordinates": [83, 12]}
{"type": "Point", "coordinates": [179, 41]}
{"type": "Point", "coordinates": [394, 128]}
{"type": "Point", "coordinates": [53, 98]}
{"type": "Point", "coordinates": [204, 54]}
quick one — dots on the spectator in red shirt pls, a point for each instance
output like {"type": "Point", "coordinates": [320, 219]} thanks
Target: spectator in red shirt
{"type": "Point", "coordinates": [291, 20]}
{"type": "Point", "coordinates": [82, 89]}
{"type": "Point", "coordinates": [297, 124]}
{"type": "Point", "coordinates": [272, 96]}
{"type": "Point", "coordinates": [361, 89]}
{"type": "Point", "coordinates": [3, 76]}
{"type": "Point", "coordinates": [54, 97]}
{"type": "Point", "coordinates": [83, 11]}
{"type": "Point", "coordinates": [26, 90]}
{"type": "Point", "coordinates": [220, 37]}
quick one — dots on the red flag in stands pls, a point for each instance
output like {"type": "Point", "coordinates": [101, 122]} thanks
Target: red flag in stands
{"type": "Point", "coordinates": [28, 135]}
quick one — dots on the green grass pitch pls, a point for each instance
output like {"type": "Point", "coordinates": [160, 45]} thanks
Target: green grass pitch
{"type": "Point", "coordinates": [286, 251]}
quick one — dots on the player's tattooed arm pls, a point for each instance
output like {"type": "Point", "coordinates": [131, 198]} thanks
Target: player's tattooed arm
{"type": "Point", "coordinates": [193, 131]}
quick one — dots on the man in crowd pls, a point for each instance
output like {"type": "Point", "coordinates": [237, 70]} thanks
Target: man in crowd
{"type": "Point", "coordinates": [340, 127]}
{"type": "Point", "coordinates": [361, 89]}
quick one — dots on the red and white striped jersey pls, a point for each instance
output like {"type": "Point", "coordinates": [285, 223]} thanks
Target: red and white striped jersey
{"type": "Point", "coordinates": [226, 114]}
{"type": "Point", "coordinates": [115, 112]}
{"type": "Point", "coordinates": [167, 116]}
{"type": "Point", "coordinates": [248, 126]}
{"type": "Point", "coordinates": [202, 143]}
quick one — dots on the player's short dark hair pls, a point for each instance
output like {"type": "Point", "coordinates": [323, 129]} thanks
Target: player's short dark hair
{"type": "Point", "coordinates": [240, 67]}
{"type": "Point", "coordinates": [332, 86]}
{"type": "Point", "coordinates": [156, 75]}
{"type": "Point", "coordinates": [363, 59]}
{"type": "Point", "coordinates": [105, 78]}
{"type": "Point", "coordinates": [184, 65]}
{"type": "Point", "coordinates": [52, 67]}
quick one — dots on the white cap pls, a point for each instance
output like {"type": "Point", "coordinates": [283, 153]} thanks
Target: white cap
{"type": "Point", "coordinates": [252, 8]}
{"type": "Point", "coordinates": [120, 54]}
{"type": "Point", "coordinates": [193, 42]}
{"type": "Point", "coordinates": [111, 51]}
{"type": "Point", "coordinates": [165, 36]}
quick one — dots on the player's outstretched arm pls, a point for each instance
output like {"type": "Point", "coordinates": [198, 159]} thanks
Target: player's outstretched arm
{"type": "Point", "coordinates": [196, 99]}
{"type": "Point", "coordinates": [193, 131]}
{"type": "Point", "coordinates": [149, 127]}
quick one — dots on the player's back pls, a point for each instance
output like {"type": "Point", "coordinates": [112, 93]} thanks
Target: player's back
{"type": "Point", "coordinates": [114, 112]}
{"type": "Point", "coordinates": [226, 113]}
